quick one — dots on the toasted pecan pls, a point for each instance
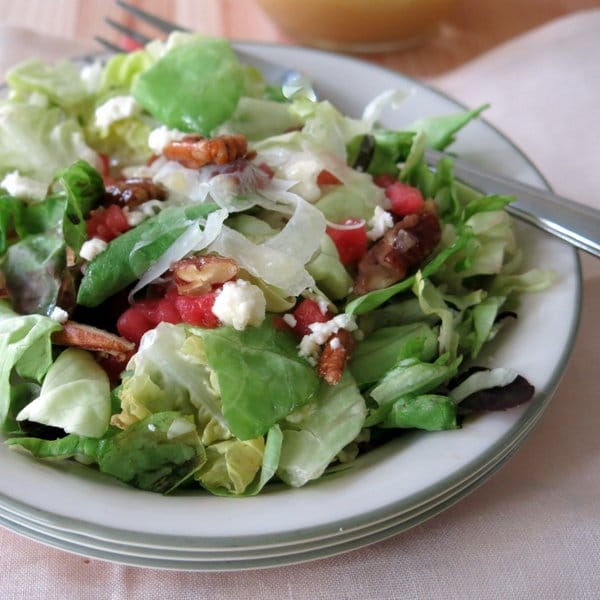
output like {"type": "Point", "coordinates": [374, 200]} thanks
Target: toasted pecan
{"type": "Point", "coordinates": [335, 355]}
{"type": "Point", "coordinates": [196, 275]}
{"type": "Point", "coordinates": [91, 338]}
{"type": "Point", "coordinates": [406, 245]}
{"type": "Point", "coordinates": [194, 152]}
{"type": "Point", "coordinates": [134, 191]}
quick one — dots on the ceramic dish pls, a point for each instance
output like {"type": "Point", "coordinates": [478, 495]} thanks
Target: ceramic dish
{"type": "Point", "coordinates": [384, 492]}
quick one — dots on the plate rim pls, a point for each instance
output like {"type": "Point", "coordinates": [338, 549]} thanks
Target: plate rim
{"type": "Point", "coordinates": [523, 427]}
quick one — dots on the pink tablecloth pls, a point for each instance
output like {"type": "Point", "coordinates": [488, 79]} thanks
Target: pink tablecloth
{"type": "Point", "coordinates": [533, 530]}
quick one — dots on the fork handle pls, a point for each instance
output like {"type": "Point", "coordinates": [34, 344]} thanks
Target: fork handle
{"type": "Point", "coordinates": [570, 221]}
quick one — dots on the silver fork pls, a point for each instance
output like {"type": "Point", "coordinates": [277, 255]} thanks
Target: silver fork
{"type": "Point", "coordinates": [568, 220]}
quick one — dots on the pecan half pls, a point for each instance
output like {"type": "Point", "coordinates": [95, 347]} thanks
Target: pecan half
{"type": "Point", "coordinates": [335, 355]}
{"type": "Point", "coordinates": [194, 152]}
{"type": "Point", "coordinates": [196, 275]}
{"type": "Point", "coordinates": [404, 246]}
{"type": "Point", "coordinates": [133, 191]}
{"type": "Point", "coordinates": [91, 338]}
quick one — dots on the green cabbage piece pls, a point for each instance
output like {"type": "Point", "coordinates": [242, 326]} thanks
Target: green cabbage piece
{"type": "Point", "coordinates": [432, 412]}
{"type": "Point", "coordinates": [25, 350]}
{"type": "Point", "coordinates": [314, 436]}
{"type": "Point", "coordinates": [169, 373]}
{"type": "Point", "coordinates": [60, 83]}
{"type": "Point", "coordinates": [75, 396]}
{"type": "Point", "coordinates": [38, 141]}
{"type": "Point", "coordinates": [231, 465]}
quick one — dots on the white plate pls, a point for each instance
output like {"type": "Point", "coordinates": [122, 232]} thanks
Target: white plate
{"type": "Point", "coordinates": [386, 491]}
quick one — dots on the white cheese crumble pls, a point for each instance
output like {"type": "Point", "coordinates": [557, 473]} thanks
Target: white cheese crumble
{"type": "Point", "coordinates": [320, 332]}
{"type": "Point", "coordinates": [381, 222]}
{"type": "Point", "coordinates": [335, 343]}
{"type": "Point", "coordinates": [91, 76]}
{"type": "Point", "coordinates": [142, 212]}
{"type": "Point", "coordinates": [161, 136]}
{"type": "Point", "coordinates": [323, 305]}
{"type": "Point", "coordinates": [59, 314]}
{"type": "Point", "coordinates": [91, 248]}
{"type": "Point", "coordinates": [115, 109]}
{"type": "Point", "coordinates": [304, 172]}
{"type": "Point", "coordinates": [20, 186]}
{"type": "Point", "coordinates": [240, 304]}
{"type": "Point", "coordinates": [290, 319]}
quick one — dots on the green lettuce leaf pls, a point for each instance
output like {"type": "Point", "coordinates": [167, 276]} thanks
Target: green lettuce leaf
{"type": "Point", "coordinates": [431, 412]}
{"type": "Point", "coordinates": [147, 456]}
{"type": "Point", "coordinates": [132, 253]}
{"type": "Point", "coordinates": [440, 131]}
{"type": "Point", "coordinates": [410, 378]}
{"type": "Point", "coordinates": [193, 87]}
{"type": "Point", "coordinates": [83, 189]}
{"type": "Point", "coordinates": [34, 269]}
{"type": "Point", "coordinates": [313, 437]}
{"type": "Point", "coordinates": [385, 348]}
{"type": "Point", "coordinates": [70, 446]}
{"type": "Point", "coordinates": [260, 375]}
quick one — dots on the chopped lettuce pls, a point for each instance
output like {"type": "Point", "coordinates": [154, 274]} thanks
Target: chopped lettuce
{"type": "Point", "coordinates": [169, 373]}
{"type": "Point", "coordinates": [260, 376]}
{"type": "Point", "coordinates": [320, 431]}
{"type": "Point", "coordinates": [75, 396]}
{"type": "Point", "coordinates": [25, 349]}
{"type": "Point", "coordinates": [147, 456]}
{"type": "Point", "coordinates": [37, 141]}
{"type": "Point", "coordinates": [192, 87]}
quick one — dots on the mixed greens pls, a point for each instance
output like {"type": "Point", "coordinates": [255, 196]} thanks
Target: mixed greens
{"type": "Point", "coordinates": [233, 322]}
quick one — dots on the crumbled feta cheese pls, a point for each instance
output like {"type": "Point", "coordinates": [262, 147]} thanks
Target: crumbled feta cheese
{"type": "Point", "coordinates": [320, 332]}
{"type": "Point", "coordinates": [151, 427]}
{"type": "Point", "coordinates": [161, 136]}
{"type": "Point", "coordinates": [335, 343]}
{"type": "Point", "coordinates": [59, 314]}
{"type": "Point", "coordinates": [91, 248]}
{"type": "Point", "coordinates": [19, 186]}
{"type": "Point", "coordinates": [182, 182]}
{"type": "Point", "coordinates": [91, 76]}
{"type": "Point", "coordinates": [290, 320]}
{"type": "Point", "coordinates": [240, 304]}
{"type": "Point", "coordinates": [304, 171]}
{"type": "Point", "coordinates": [380, 223]}
{"type": "Point", "coordinates": [144, 211]}
{"type": "Point", "coordinates": [115, 109]}
{"type": "Point", "coordinates": [323, 305]}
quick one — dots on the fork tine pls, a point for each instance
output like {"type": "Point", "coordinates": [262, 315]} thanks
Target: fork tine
{"type": "Point", "coordinates": [131, 33]}
{"type": "Point", "coordinates": [157, 22]}
{"type": "Point", "coordinates": [108, 45]}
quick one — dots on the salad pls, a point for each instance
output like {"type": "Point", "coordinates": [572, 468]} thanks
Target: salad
{"type": "Point", "coordinates": [212, 281]}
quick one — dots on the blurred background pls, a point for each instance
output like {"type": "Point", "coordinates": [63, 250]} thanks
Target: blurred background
{"type": "Point", "coordinates": [468, 27]}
